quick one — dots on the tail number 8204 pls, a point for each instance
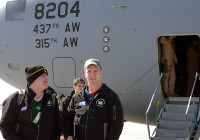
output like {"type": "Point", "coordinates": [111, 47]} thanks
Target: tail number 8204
{"type": "Point", "coordinates": [61, 9]}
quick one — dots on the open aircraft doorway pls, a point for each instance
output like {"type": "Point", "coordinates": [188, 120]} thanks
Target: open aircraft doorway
{"type": "Point", "coordinates": [178, 57]}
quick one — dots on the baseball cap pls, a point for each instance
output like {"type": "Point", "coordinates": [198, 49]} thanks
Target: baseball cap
{"type": "Point", "coordinates": [92, 61]}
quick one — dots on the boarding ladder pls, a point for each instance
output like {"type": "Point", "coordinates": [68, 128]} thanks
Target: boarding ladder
{"type": "Point", "coordinates": [178, 118]}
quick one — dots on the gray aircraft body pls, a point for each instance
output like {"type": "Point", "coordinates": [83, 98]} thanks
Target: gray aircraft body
{"type": "Point", "coordinates": [122, 34]}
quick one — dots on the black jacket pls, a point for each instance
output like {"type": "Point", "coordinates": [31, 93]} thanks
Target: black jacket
{"type": "Point", "coordinates": [67, 100]}
{"type": "Point", "coordinates": [16, 122]}
{"type": "Point", "coordinates": [64, 114]}
{"type": "Point", "coordinates": [102, 119]}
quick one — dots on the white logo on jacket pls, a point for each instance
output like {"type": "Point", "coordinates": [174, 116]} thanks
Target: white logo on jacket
{"type": "Point", "coordinates": [100, 102]}
{"type": "Point", "coordinates": [24, 108]}
{"type": "Point", "coordinates": [49, 103]}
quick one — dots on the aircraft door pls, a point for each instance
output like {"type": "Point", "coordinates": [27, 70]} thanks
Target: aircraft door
{"type": "Point", "coordinates": [64, 71]}
{"type": "Point", "coordinates": [179, 57]}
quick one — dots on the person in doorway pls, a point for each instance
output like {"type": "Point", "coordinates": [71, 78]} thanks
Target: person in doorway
{"type": "Point", "coordinates": [78, 85]}
{"type": "Point", "coordinates": [36, 116]}
{"type": "Point", "coordinates": [192, 64]}
{"type": "Point", "coordinates": [168, 59]}
{"type": "Point", "coordinates": [96, 110]}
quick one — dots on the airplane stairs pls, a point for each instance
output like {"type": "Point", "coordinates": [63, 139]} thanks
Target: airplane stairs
{"type": "Point", "coordinates": [172, 122]}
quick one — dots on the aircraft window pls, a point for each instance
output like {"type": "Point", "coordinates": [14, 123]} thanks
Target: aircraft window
{"type": "Point", "coordinates": [15, 10]}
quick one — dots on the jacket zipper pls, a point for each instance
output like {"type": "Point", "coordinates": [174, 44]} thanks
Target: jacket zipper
{"type": "Point", "coordinates": [88, 114]}
{"type": "Point", "coordinates": [38, 126]}
{"type": "Point", "coordinates": [35, 124]}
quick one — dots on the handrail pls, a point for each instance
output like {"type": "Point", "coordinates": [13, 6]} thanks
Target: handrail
{"type": "Point", "coordinates": [161, 76]}
{"type": "Point", "coordinates": [186, 113]}
{"type": "Point", "coordinates": [162, 110]}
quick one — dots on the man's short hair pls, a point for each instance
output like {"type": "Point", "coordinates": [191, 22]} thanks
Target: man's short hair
{"type": "Point", "coordinates": [77, 81]}
{"type": "Point", "coordinates": [62, 95]}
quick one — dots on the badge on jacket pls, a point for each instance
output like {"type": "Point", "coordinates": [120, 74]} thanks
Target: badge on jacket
{"type": "Point", "coordinates": [49, 103]}
{"type": "Point", "coordinates": [100, 102]}
{"type": "Point", "coordinates": [82, 103]}
{"type": "Point", "coordinates": [24, 108]}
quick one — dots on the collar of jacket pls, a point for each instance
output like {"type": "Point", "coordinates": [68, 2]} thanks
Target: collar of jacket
{"type": "Point", "coordinates": [100, 91]}
{"type": "Point", "coordinates": [30, 93]}
{"type": "Point", "coordinates": [72, 94]}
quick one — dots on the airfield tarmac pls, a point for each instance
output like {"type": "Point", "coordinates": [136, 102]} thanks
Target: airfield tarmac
{"type": "Point", "coordinates": [131, 131]}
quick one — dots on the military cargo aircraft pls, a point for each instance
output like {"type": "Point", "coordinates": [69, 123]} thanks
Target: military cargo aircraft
{"type": "Point", "coordinates": [123, 34]}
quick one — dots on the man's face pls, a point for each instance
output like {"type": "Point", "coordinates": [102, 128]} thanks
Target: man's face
{"type": "Point", "coordinates": [93, 74]}
{"type": "Point", "coordinates": [41, 82]}
{"type": "Point", "coordinates": [62, 99]}
{"type": "Point", "coordinates": [78, 87]}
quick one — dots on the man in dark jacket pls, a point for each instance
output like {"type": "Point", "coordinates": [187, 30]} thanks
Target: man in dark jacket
{"type": "Point", "coordinates": [78, 85]}
{"type": "Point", "coordinates": [96, 110]}
{"type": "Point", "coordinates": [37, 115]}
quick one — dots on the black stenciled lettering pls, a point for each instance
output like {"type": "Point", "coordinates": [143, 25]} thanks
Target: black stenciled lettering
{"type": "Point", "coordinates": [39, 11]}
{"type": "Point", "coordinates": [42, 27]}
{"type": "Point", "coordinates": [46, 43]}
{"type": "Point", "coordinates": [74, 41]}
{"type": "Point", "coordinates": [35, 29]}
{"type": "Point", "coordinates": [75, 26]}
{"type": "Point", "coordinates": [67, 29]}
{"type": "Point", "coordinates": [49, 11]}
{"type": "Point", "coordinates": [48, 27]}
{"type": "Point", "coordinates": [52, 10]}
{"type": "Point", "coordinates": [42, 43]}
{"type": "Point", "coordinates": [75, 8]}
{"type": "Point", "coordinates": [65, 43]}
{"type": "Point", "coordinates": [38, 43]}
{"type": "Point", "coordinates": [65, 6]}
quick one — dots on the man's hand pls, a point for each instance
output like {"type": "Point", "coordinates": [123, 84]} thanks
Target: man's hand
{"type": "Point", "coordinates": [69, 138]}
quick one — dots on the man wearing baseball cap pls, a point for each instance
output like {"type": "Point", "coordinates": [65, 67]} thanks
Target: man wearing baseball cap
{"type": "Point", "coordinates": [96, 110]}
{"type": "Point", "coordinates": [36, 116]}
